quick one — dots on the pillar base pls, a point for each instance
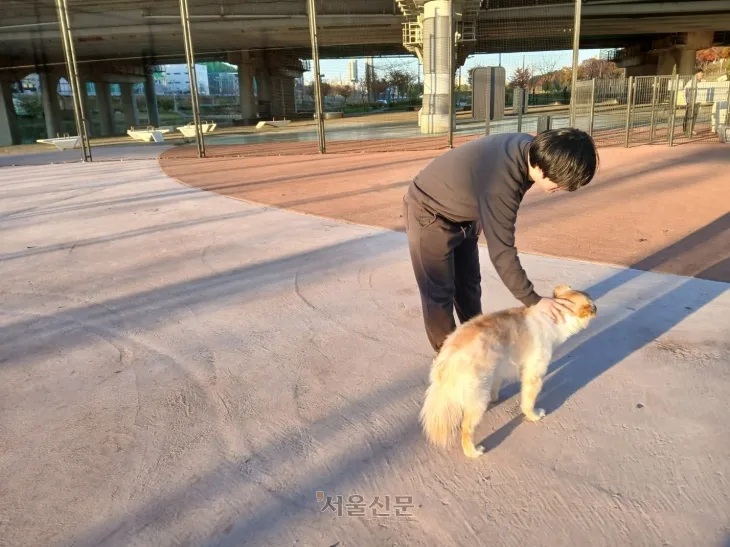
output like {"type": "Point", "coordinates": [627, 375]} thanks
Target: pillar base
{"type": "Point", "coordinates": [434, 123]}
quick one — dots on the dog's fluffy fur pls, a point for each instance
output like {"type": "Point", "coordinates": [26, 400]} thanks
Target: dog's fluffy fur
{"type": "Point", "coordinates": [468, 370]}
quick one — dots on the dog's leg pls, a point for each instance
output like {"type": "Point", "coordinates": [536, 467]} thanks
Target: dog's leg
{"type": "Point", "coordinates": [531, 381]}
{"type": "Point", "coordinates": [472, 416]}
{"type": "Point", "coordinates": [475, 405]}
{"type": "Point", "coordinates": [494, 392]}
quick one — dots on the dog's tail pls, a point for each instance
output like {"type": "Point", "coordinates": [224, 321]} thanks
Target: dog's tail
{"type": "Point", "coordinates": [442, 409]}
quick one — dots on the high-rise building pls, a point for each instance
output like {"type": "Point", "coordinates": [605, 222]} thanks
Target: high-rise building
{"type": "Point", "coordinates": [353, 70]}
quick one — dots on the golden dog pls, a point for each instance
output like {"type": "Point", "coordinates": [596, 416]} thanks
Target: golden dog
{"type": "Point", "coordinates": [468, 370]}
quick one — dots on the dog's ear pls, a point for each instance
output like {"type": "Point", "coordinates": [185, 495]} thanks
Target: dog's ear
{"type": "Point", "coordinates": [560, 290]}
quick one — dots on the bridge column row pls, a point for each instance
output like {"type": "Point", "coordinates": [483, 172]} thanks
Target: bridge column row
{"type": "Point", "coordinates": [53, 108]}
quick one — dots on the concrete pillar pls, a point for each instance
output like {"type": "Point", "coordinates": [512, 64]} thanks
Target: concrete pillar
{"type": "Point", "coordinates": [263, 85]}
{"type": "Point", "coordinates": [104, 105]}
{"type": "Point", "coordinates": [700, 39]}
{"type": "Point", "coordinates": [129, 105]}
{"type": "Point", "coordinates": [287, 91]}
{"type": "Point", "coordinates": [245, 90]}
{"type": "Point", "coordinates": [277, 99]}
{"type": "Point", "coordinates": [9, 134]}
{"type": "Point", "coordinates": [648, 68]}
{"type": "Point", "coordinates": [666, 63]}
{"type": "Point", "coordinates": [149, 93]}
{"type": "Point", "coordinates": [88, 111]}
{"type": "Point", "coordinates": [51, 109]}
{"type": "Point", "coordinates": [436, 77]}
{"type": "Point", "coordinates": [687, 62]}
{"type": "Point", "coordinates": [263, 93]}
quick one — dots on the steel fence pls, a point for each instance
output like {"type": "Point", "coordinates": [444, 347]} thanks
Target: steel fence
{"type": "Point", "coordinates": [651, 110]}
{"type": "Point", "coordinates": [341, 86]}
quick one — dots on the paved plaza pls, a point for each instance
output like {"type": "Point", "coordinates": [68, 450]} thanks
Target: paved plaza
{"type": "Point", "coordinates": [178, 367]}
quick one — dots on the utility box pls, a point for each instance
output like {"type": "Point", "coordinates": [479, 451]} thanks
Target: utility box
{"type": "Point", "coordinates": [519, 96]}
{"type": "Point", "coordinates": [544, 123]}
{"type": "Point", "coordinates": [487, 93]}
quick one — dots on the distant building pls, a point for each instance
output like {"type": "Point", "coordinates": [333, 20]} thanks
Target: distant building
{"type": "Point", "coordinates": [223, 83]}
{"type": "Point", "coordinates": [174, 79]}
{"type": "Point", "coordinates": [353, 70]}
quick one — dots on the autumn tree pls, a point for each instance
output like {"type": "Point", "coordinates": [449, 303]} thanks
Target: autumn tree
{"type": "Point", "coordinates": [324, 86]}
{"type": "Point", "coordinates": [521, 78]}
{"type": "Point", "coordinates": [343, 90]}
{"type": "Point", "coordinates": [598, 68]}
{"type": "Point", "coordinates": [715, 59]}
{"type": "Point", "coordinates": [544, 66]}
{"type": "Point", "coordinates": [711, 55]}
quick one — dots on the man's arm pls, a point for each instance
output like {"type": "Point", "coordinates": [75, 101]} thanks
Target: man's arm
{"type": "Point", "coordinates": [498, 216]}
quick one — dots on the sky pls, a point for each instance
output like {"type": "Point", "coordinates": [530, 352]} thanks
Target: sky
{"type": "Point", "coordinates": [333, 70]}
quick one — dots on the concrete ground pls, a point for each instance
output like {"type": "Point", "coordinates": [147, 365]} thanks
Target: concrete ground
{"type": "Point", "coordinates": [180, 368]}
{"type": "Point", "coordinates": [26, 155]}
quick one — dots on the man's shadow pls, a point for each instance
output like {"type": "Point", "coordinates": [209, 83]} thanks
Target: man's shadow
{"type": "Point", "coordinates": [651, 312]}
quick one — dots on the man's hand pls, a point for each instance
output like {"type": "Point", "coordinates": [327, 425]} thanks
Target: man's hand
{"type": "Point", "coordinates": [555, 308]}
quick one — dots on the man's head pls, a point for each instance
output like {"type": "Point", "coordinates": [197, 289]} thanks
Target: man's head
{"type": "Point", "coordinates": [699, 74]}
{"type": "Point", "coordinates": [562, 159]}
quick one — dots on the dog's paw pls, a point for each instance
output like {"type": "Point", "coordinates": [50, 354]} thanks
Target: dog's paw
{"type": "Point", "coordinates": [536, 415]}
{"type": "Point", "coordinates": [474, 451]}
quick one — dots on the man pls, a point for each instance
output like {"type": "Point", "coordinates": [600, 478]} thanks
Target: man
{"type": "Point", "coordinates": [693, 102]}
{"type": "Point", "coordinates": [481, 184]}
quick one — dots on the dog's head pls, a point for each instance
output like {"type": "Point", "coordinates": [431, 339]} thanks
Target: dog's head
{"type": "Point", "coordinates": [582, 307]}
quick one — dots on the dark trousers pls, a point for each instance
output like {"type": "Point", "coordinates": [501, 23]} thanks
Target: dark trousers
{"type": "Point", "coordinates": [690, 118]}
{"type": "Point", "coordinates": [445, 260]}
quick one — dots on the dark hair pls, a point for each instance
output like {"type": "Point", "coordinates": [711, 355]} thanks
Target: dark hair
{"type": "Point", "coordinates": [699, 70]}
{"type": "Point", "coordinates": [568, 157]}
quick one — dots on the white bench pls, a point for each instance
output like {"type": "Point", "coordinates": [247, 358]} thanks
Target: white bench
{"type": "Point", "coordinates": [63, 143]}
{"type": "Point", "coordinates": [189, 131]}
{"type": "Point", "coordinates": [151, 134]}
{"type": "Point", "coordinates": [273, 123]}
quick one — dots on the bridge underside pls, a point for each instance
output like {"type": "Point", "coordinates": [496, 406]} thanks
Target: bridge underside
{"type": "Point", "coordinates": [151, 30]}
{"type": "Point", "coordinates": [118, 41]}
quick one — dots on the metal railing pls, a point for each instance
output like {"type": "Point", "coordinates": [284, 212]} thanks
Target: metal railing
{"type": "Point", "coordinates": [651, 109]}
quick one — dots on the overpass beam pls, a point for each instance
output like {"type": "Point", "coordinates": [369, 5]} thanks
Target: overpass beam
{"type": "Point", "coordinates": [684, 57]}
{"type": "Point", "coordinates": [129, 105]}
{"type": "Point", "coordinates": [437, 81]}
{"type": "Point", "coordinates": [9, 134]}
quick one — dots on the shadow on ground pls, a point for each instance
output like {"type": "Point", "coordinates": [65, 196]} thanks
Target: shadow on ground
{"type": "Point", "coordinates": [653, 316]}
{"type": "Point", "coordinates": [649, 319]}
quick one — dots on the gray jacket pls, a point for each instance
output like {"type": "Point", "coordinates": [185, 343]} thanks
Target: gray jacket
{"type": "Point", "coordinates": [483, 180]}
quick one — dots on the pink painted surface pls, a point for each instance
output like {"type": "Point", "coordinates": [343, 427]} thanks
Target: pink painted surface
{"type": "Point", "coordinates": [670, 204]}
